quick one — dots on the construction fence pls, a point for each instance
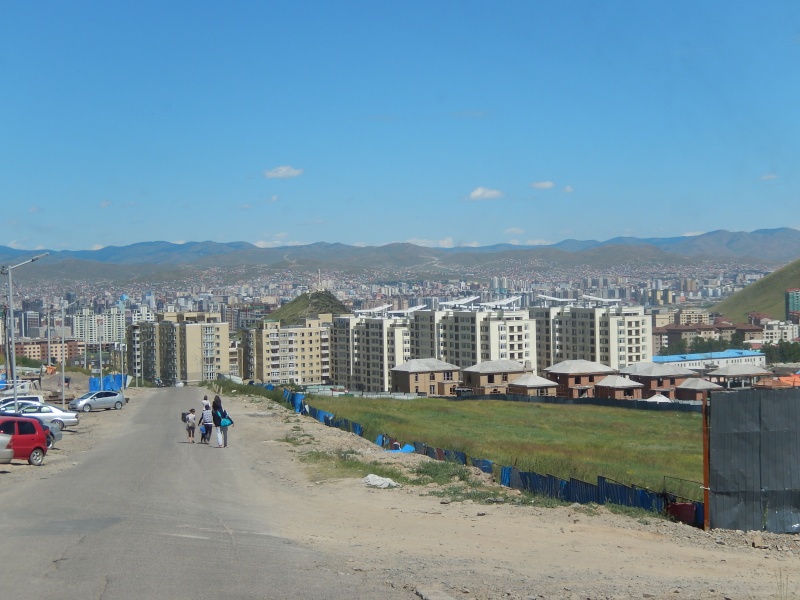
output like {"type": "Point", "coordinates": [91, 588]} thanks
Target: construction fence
{"type": "Point", "coordinates": [604, 491]}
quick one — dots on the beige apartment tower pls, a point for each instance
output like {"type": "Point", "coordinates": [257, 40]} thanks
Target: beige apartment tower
{"type": "Point", "coordinates": [297, 354]}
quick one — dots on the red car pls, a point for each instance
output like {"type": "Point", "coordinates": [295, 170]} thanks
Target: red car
{"type": "Point", "coordinates": [28, 438]}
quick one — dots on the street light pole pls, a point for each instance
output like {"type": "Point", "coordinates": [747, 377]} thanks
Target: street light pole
{"type": "Point", "coordinates": [13, 350]}
{"type": "Point", "coordinates": [63, 350]}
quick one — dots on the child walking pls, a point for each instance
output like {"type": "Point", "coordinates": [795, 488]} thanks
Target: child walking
{"type": "Point", "coordinates": [191, 423]}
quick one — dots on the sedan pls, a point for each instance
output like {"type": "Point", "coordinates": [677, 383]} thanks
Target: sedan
{"type": "Point", "coordinates": [6, 451]}
{"type": "Point", "coordinates": [100, 399]}
{"type": "Point", "coordinates": [50, 414]}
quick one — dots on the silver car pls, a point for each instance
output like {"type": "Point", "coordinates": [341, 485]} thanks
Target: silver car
{"type": "Point", "coordinates": [50, 414]}
{"type": "Point", "coordinates": [99, 399]}
{"type": "Point", "coordinates": [6, 453]}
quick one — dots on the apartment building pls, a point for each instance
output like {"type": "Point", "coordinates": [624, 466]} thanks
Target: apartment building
{"type": "Point", "coordinates": [179, 347]}
{"type": "Point", "coordinates": [298, 354]}
{"type": "Point", "coordinates": [95, 328]}
{"type": "Point", "coordinates": [465, 334]}
{"type": "Point", "coordinates": [612, 335]}
{"type": "Point", "coordinates": [780, 331]}
{"type": "Point", "coordinates": [366, 346]}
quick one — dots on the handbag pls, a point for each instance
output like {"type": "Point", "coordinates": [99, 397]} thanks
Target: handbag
{"type": "Point", "coordinates": [225, 422]}
{"type": "Point", "coordinates": [203, 429]}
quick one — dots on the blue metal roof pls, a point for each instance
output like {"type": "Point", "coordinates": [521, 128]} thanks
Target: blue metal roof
{"type": "Point", "coordinates": [706, 355]}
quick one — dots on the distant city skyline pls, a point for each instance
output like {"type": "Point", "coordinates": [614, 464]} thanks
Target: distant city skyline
{"type": "Point", "coordinates": [444, 124]}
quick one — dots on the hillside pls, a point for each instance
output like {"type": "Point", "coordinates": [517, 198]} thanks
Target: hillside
{"type": "Point", "coordinates": [764, 296]}
{"type": "Point", "coordinates": [306, 306]}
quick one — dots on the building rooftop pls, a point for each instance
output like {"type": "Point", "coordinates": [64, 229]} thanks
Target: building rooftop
{"type": "Point", "coordinates": [425, 365]}
{"type": "Point", "coordinates": [618, 382]}
{"type": "Point", "coordinates": [706, 356]}
{"type": "Point", "coordinates": [580, 366]}
{"type": "Point", "coordinates": [652, 369]}
{"type": "Point", "coordinates": [533, 381]}
{"type": "Point", "coordinates": [497, 366]}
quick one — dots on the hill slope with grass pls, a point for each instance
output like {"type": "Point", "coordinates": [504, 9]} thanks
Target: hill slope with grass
{"type": "Point", "coordinates": [764, 296]}
{"type": "Point", "coordinates": [307, 306]}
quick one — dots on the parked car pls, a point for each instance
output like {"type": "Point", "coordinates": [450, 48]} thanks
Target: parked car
{"type": "Point", "coordinates": [51, 414]}
{"type": "Point", "coordinates": [6, 451]}
{"type": "Point", "coordinates": [54, 434]}
{"type": "Point", "coordinates": [100, 399]}
{"type": "Point", "coordinates": [28, 439]}
{"type": "Point", "coordinates": [9, 400]}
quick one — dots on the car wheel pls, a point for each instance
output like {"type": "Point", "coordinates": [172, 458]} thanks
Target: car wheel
{"type": "Point", "coordinates": [37, 457]}
{"type": "Point", "coordinates": [51, 442]}
{"type": "Point", "coordinates": [57, 423]}
{"type": "Point", "coordinates": [117, 405]}
{"type": "Point", "coordinates": [87, 407]}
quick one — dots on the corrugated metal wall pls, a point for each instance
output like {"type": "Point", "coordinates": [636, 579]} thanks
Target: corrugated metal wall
{"type": "Point", "coordinates": [754, 462]}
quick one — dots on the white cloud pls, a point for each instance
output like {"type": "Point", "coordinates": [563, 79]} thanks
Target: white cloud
{"type": "Point", "coordinates": [361, 244]}
{"type": "Point", "coordinates": [692, 233]}
{"type": "Point", "coordinates": [246, 206]}
{"type": "Point", "coordinates": [179, 242]}
{"type": "Point", "coordinates": [443, 243]}
{"type": "Point", "coordinates": [568, 189]}
{"type": "Point", "coordinates": [283, 172]}
{"type": "Point", "coordinates": [472, 244]}
{"type": "Point", "coordinates": [271, 199]}
{"type": "Point", "coordinates": [768, 176]}
{"type": "Point", "coordinates": [538, 243]}
{"type": "Point", "coordinates": [482, 193]}
{"type": "Point", "coordinates": [98, 247]}
{"type": "Point", "coordinates": [105, 204]}
{"type": "Point", "coordinates": [34, 209]}
{"type": "Point", "coordinates": [13, 244]}
{"type": "Point", "coordinates": [514, 231]}
{"type": "Point", "coordinates": [543, 185]}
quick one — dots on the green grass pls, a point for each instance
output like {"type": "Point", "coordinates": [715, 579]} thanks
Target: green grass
{"type": "Point", "coordinates": [629, 446]}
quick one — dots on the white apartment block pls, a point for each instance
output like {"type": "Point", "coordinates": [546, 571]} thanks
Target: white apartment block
{"type": "Point", "coordinates": [366, 347]}
{"type": "Point", "coordinates": [780, 331]}
{"type": "Point", "coordinates": [616, 336]}
{"type": "Point", "coordinates": [298, 354]}
{"type": "Point", "coordinates": [93, 328]}
{"type": "Point", "coordinates": [464, 337]}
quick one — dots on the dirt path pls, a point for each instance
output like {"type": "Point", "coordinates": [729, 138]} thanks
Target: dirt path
{"type": "Point", "coordinates": [410, 539]}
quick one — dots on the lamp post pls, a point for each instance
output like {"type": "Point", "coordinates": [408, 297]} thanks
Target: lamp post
{"type": "Point", "coordinates": [63, 350]}
{"type": "Point", "coordinates": [13, 350]}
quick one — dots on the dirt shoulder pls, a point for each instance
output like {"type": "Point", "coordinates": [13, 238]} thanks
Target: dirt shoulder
{"type": "Point", "coordinates": [410, 539]}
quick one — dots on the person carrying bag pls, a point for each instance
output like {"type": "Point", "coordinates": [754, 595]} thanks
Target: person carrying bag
{"type": "Point", "coordinates": [222, 420]}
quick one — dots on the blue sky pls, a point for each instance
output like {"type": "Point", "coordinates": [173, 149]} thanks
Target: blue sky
{"type": "Point", "coordinates": [441, 123]}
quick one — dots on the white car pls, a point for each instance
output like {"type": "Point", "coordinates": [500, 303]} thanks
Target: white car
{"type": "Point", "coordinates": [49, 413]}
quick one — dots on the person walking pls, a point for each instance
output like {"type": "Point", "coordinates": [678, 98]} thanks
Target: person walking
{"type": "Point", "coordinates": [191, 423]}
{"type": "Point", "coordinates": [207, 420]}
{"type": "Point", "coordinates": [222, 421]}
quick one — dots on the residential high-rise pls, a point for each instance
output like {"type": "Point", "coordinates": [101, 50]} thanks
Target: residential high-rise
{"type": "Point", "coordinates": [183, 347]}
{"type": "Point", "coordinates": [298, 354]}
{"type": "Point", "coordinates": [365, 347]}
{"type": "Point", "coordinates": [613, 335]}
{"type": "Point", "coordinates": [792, 298]}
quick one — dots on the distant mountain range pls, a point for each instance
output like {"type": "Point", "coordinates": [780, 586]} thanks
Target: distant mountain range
{"type": "Point", "coordinates": [165, 260]}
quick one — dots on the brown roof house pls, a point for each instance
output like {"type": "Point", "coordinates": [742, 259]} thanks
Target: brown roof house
{"type": "Point", "coordinates": [696, 389]}
{"type": "Point", "coordinates": [658, 378]}
{"type": "Point", "coordinates": [577, 378]}
{"type": "Point", "coordinates": [618, 387]}
{"type": "Point", "coordinates": [492, 376]}
{"type": "Point", "coordinates": [426, 376]}
{"type": "Point", "coordinates": [532, 385]}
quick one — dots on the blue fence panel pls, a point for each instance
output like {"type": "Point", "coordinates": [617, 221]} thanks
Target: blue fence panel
{"type": "Point", "coordinates": [616, 493]}
{"type": "Point", "coordinates": [357, 429]}
{"type": "Point", "coordinates": [582, 492]}
{"type": "Point", "coordinates": [297, 402]}
{"type": "Point", "coordinates": [483, 464]}
{"type": "Point", "coordinates": [505, 476]}
{"type": "Point", "coordinates": [648, 500]}
{"type": "Point", "coordinates": [455, 456]}
{"type": "Point", "coordinates": [420, 448]}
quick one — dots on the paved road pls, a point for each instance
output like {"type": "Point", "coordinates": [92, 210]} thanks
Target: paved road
{"type": "Point", "coordinates": [147, 516]}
